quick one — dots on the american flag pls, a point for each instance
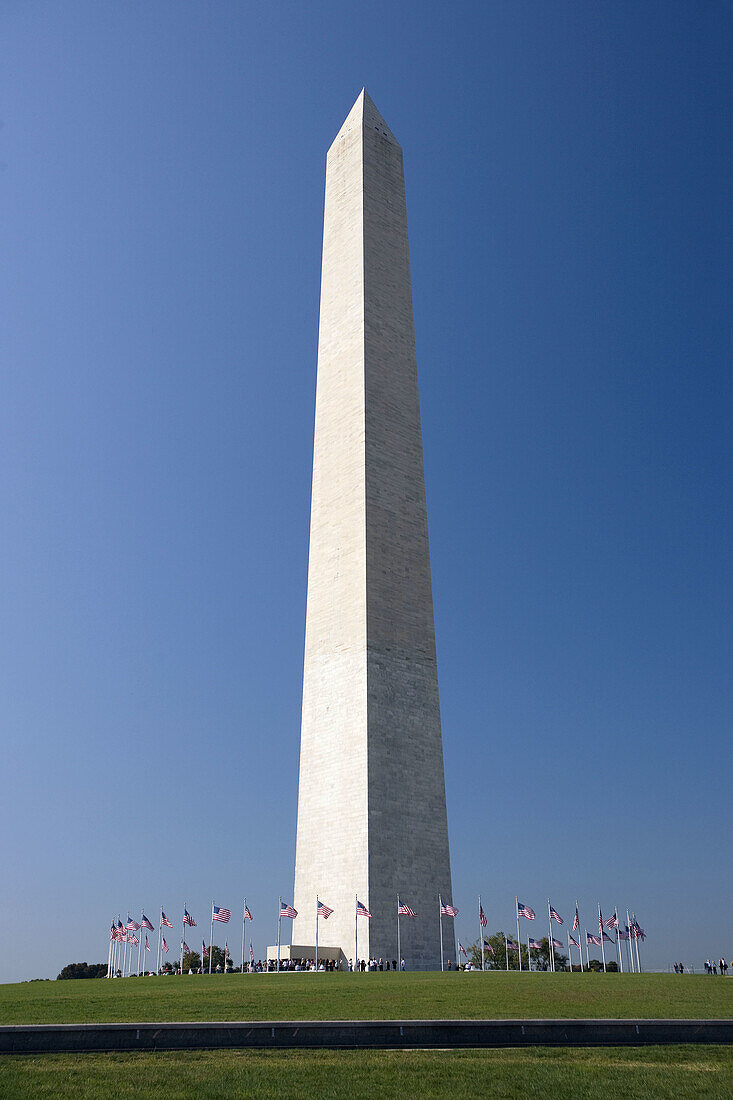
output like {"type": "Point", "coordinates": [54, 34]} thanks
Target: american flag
{"type": "Point", "coordinates": [204, 949]}
{"type": "Point", "coordinates": [145, 923]}
{"type": "Point", "coordinates": [600, 922]}
{"type": "Point", "coordinates": [132, 925]}
{"type": "Point", "coordinates": [592, 939]}
{"type": "Point", "coordinates": [164, 920]}
{"type": "Point", "coordinates": [555, 915]}
{"type": "Point", "coordinates": [113, 932]}
{"type": "Point", "coordinates": [164, 945]}
{"type": "Point", "coordinates": [482, 917]}
{"type": "Point", "coordinates": [462, 949]}
{"type": "Point", "coordinates": [525, 911]}
{"type": "Point", "coordinates": [557, 944]}
{"type": "Point", "coordinates": [226, 949]}
{"type": "Point", "coordinates": [574, 942]}
{"type": "Point", "coordinates": [448, 910]}
{"type": "Point", "coordinates": [251, 953]}
{"type": "Point", "coordinates": [247, 914]}
{"type": "Point", "coordinates": [120, 930]}
{"type": "Point", "coordinates": [511, 945]}
{"type": "Point", "coordinates": [184, 947]}
{"type": "Point", "coordinates": [134, 941]}
{"type": "Point", "coordinates": [128, 937]}
{"type": "Point", "coordinates": [609, 939]}
{"type": "Point", "coordinates": [361, 910]}
{"type": "Point", "coordinates": [220, 914]}
{"type": "Point", "coordinates": [612, 922]}
{"type": "Point", "coordinates": [404, 910]}
{"type": "Point", "coordinates": [488, 947]}
{"type": "Point", "coordinates": [147, 945]}
{"type": "Point", "coordinates": [287, 910]}
{"type": "Point", "coordinates": [576, 919]}
{"type": "Point", "coordinates": [535, 944]}
{"type": "Point", "coordinates": [188, 919]}
{"type": "Point", "coordinates": [323, 910]}
{"type": "Point", "coordinates": [624, 935]}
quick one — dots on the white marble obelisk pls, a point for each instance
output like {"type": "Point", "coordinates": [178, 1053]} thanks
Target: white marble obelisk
{"type": "Point", "coordinates": [371, 805]}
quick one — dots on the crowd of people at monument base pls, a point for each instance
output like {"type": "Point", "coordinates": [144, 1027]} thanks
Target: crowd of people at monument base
{"type": "Point", "coordinates": [711, 967]}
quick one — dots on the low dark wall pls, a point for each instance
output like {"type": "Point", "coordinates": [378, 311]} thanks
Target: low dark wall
{"type": "Point", "coordinates": [382, 1034]}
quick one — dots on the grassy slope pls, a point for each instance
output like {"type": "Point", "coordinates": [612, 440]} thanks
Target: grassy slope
{"type": "Point", "coordinates": [367, 996]}
{"type": "Point", "coordinates": [635, 1074]}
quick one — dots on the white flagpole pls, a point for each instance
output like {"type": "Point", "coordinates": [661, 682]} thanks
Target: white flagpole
{"type": "Point", "coordinates": [587, 957]}
{"type": "Point", "coordinates": [316, 933]}
{"type": "Point", "coordinates": [124, 959]}
{"type": "Point", "coordinates": [157, 954]}
{"type": "Point", "coordinates": [109, 955]}
{"type": "Point", "coordinates": [519, 942]}
{"type": "Point", "coordinates": [481, 934]}
{"type": "Point", "coordinates": [570, 953]}
{"type": "Point", "coordinates": [630, 948]}
{"type": "Point", "coordinates": [506, 950]}
{"type": "Point", "coordinates": [618, 941]}
{"type": "Point", "coordinates": [529, 956]}
{"type": "Point", "coordinates": [356, 934]}
{"type": "Point", "coordinates": [440, 919]}
{"type": "Point", "coordinates": [549, 941]}
{"type": "Point", "coordinates": [211, 939]}
{"type": "Point", "coordinates": [638, 961]}
{"type": "Point", "coordinates": [279, 918]}
{"type": "Point", "coordinates": [399, 955]}
{"type": "Point", "coordinates": [183, 934]}
{"type": "Point", "coordinates": [603, 948]}
{"type": "Point", "coordinates": [139, 942]}
{"type": "Point", "coordinates": [243, 927]}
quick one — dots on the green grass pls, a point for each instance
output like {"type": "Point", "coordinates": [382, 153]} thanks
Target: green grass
{"type": "Point", "coordinates": [474, 996]}
{"type": "Point", "coordinates": [643, 1073]}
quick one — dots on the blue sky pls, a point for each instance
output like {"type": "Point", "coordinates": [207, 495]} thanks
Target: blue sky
{"type": "Point", "coordinates": [568, 172]}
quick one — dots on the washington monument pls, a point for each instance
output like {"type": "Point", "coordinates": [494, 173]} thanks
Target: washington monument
{"type": "Point", "coordinates": [371, 805]}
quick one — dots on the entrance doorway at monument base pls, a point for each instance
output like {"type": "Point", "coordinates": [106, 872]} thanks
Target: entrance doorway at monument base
{"type": "Point", "coordinates": [298, 953]}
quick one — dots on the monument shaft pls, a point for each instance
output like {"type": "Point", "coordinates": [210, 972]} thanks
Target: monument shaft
{"type": "Point", "coordinates": [371, 807]}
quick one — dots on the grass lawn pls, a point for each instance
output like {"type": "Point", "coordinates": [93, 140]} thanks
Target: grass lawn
{"type": "Point", "coordinates": [644, 1073]}
{"type": "Point", "coordinates": [472, 996]}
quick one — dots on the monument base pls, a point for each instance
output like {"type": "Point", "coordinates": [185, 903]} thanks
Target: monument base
{"type": "Point", "coordinates": [295, 951]}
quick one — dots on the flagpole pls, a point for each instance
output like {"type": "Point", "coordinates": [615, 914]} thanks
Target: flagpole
{"type": "Point", "coordinates": [109, 954]}
{"type": "Point", "coordinates": [356, 933]}
{"type": "Point", "coordinates": [481, 934]}
{"type": "Point", "coordinates": [600, 925]}
{"type": "Point", "coordinates": [587, 957]}
{"type": "Point", "coordinates": [636, 937]}
{"type": "Point", "coordinates": [519, 941]}
{"type": "Point", "coordinates": [631, 950]}
{"type": "Point", "coordinates": [124, 960]}
{"type": "Point", "coordinates": [506, 950]}
{"type": "Point", "coordinates": [618, 941]}
{"type": "Point", "coordinates": [139, 943]}
{"type": "Point", "coordinates": [316, 933]}
{"type": "Point", "coordinates": [279, 918]}
{"type": "Point", "coordinates": [399, 954]}
{"type": "Point", "coordinates": [550, 944]}
{"type": "Point", "coordinates": [157, 954]}
{"type": "Point", "coordinates": [570, 954]}
{"type": "Point", "coordinates": [183, 935]}
{"type": "Point", "coordinates": [529, 957]}
{"type": "Point", "coordinates": [440, 920]}
{"type": "Point", "coordinates": [243, 926]}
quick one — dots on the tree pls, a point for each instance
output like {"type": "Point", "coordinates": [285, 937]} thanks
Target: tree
{"type": "Point", "coordinates": [191, 961]}
{"type": "Point", "coordinates": [83, 970]}
{"type": "Point", "coordinates": [497, 960]}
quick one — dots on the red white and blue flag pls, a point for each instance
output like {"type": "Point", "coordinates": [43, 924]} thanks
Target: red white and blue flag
{"type": "Point", "coordinates": [188, 919]}
{"type": "Point", "coordinates": [525, 911]}
{"type": "Point", "coordinates": [132, 925]}
{"type": "Point", "coordinates": [323, 910]}
{"type": "Point", "coordinates": [361, 910]}
{"type": "Point", "coordinates": [164, 945]}
{"type": "Point", "coordinates": [220, 914]}
{"type": "Point", "coordinates": [511, 945]}
{"type": "Point", "coordinates": [204, 949]}
{"type": "Point", "coordinates": [134, 940]}
{"type": "Point", "coordinates": [482, 917]}
{"type": "Point", "coordinates": [145, 923]}
{"type": "Point", "coordinates": [535, 944]}
{"type": "Point", "coordinates": [592, 939]}
{"type": "Point", "coordinates": [404, 910]}
{"type": "Point", "coordinates": [574, 942]}
{"type": "Point", "coordinates": [557, 944]}
{"type": "Point", "coordinates": [147, 945]}
{"type": "Point", "coordinates": [184, 947]}
{"type": "Point", "coordinates": [600, 922]}
{"type": "Point", "coordinates": [612, 922]}
{"type": "Point", "coordinates": [624, 935]}
{"type": "Point", "coordinates": [555, 915]}
{"type": "Point", "coordinates": [247, 914]}
{"type": "Point", "coordinates": [287, 910]}
{"type": "Point", "coordinates": [488, 947]}
{"type": "Point", "coordinates": [251, 953]}
{"type": "Point", "coordinates": [462, 949]}
{"type": "Point", "coordinates": [164, 920]}
{"type": "Point", "coordinates": [576, 919]}
{"type": "Point", "coordinates": [609, 939]}
{"type": "Point", "coordinates": [448, 910]}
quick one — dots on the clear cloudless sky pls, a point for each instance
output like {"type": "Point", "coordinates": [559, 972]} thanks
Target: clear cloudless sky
{"type": "Point", "coordinates": [568, 171]}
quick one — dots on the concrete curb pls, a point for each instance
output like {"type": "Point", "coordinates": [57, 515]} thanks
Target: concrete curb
{"type": "Point", "coordinates": [357, 1034]}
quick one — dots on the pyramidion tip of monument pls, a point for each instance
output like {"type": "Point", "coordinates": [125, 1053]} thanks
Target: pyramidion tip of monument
{"type": "Point", "coordinates": [365, 115]}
